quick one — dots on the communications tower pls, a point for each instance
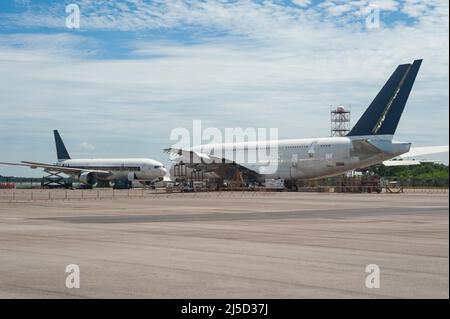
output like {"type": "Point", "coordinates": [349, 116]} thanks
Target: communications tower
{"type": "Point", "coordinates": [340, 121]}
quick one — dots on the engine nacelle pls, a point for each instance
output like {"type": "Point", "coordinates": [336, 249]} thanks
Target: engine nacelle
{"type": "Point", "coordinates": [88, 178]}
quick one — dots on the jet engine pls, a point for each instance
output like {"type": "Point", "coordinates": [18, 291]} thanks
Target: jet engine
{"type": "Point", "coordinates": [88, 178]}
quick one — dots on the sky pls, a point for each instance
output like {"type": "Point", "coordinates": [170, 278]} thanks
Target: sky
{"type": "Point", "coordinates": [136, 69]}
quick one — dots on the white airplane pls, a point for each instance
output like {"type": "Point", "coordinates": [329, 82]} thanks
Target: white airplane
{"type": "Point", "coordinates": [369, 142]}
{"type": "Point", "coordinates": [89, 171]}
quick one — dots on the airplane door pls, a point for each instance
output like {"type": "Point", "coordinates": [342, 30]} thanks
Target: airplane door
{"type": "Point", "coordinates": [312, 150]}
{"type": "Point", "coordinates": [293, 166]}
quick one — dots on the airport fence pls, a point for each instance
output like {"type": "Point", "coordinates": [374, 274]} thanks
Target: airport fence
{"type": "Point", "coordinates": [372, 189]}
{"type": "Point", "coordinates": [425, 190]}
{"type": "Point", "coordinates": [27, 195]}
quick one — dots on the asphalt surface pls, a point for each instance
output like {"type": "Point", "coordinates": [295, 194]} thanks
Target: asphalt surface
{"type": "Point", "coordinates": [232, 245]}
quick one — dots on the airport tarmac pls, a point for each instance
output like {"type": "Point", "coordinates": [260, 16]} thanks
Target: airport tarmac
{"type": "Point", "coordinates": [228, 245]}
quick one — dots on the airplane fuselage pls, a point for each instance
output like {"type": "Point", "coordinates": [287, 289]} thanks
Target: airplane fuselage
{"type": "Point", "coordinates": [130, 169]}
{"type": "Point", "coordinates": [307, 159]}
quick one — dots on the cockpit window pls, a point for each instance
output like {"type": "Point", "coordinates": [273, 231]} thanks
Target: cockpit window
{"type": "Point", "coordinates": [158, 166]}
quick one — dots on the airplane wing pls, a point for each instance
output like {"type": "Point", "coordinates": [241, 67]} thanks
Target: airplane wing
{"type": "Point", "coordinates": [427, 150]}
{"type": "Point", "coordinates": [57, 168]}
{"type": "Point", "coordinates": [194, 157]}
{"type": "Point", "coordinates": [200, 160]}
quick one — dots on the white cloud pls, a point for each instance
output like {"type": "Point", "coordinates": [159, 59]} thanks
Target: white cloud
{"type": "Point", "coordinates": [237, 17]}
{"type": "Point", "coordinates": [302, 3]}
{"type": "Point", "coordinates": [87, 146]}
{"type": "Point", "coordinates": [275, 67]}
{"type": "Point", "coordinates": [388, 5]}
{"type": "Point", "coordinates": [336, 10]}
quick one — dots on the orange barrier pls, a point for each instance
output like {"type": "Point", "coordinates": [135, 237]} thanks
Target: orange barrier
{"type": "Point", "coordinates": [7, 185]}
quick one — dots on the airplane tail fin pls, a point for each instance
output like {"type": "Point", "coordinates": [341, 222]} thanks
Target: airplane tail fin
{"type": "Point", "coordinates": [61, 150]}
{"type": "Point", "coordinates": [383, 114]}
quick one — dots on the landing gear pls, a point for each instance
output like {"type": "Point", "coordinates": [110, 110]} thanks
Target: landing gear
{"type": "Point", "coordinates": [291, 185]}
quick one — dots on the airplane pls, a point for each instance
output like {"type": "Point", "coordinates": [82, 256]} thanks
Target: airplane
{"type": "Point", "coordinates": [90, 171]}
{"type": "Point", "coordinates": [369, 142]}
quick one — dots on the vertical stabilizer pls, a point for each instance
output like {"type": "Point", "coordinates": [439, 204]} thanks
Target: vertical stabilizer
{"type": "Point", "coordinates": [383, 114]}
{"type": "Point", "coordinates": [61, 150]}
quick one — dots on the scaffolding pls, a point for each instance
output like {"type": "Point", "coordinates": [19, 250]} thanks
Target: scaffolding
{"type": "Point", "coordinates": [340, 121]}
{"type": "Point", "coordinates": [54, 180]}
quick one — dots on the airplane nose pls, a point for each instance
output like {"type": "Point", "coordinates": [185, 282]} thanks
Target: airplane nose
{"type": "Point", "coordinates": [162, 172]}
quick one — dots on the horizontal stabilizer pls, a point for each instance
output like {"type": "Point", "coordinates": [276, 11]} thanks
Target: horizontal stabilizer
{"type": "Point", "coordinates": [401, 163]}
{"type": "Point", "coordinates": [426, 150]}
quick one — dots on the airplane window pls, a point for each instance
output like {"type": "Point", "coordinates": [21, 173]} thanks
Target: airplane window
{"type": "Point", "coordinates": [158, 166]}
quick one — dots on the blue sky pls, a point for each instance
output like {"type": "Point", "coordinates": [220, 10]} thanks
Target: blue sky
{"type": "Point", "coordinates": [137, 69]}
